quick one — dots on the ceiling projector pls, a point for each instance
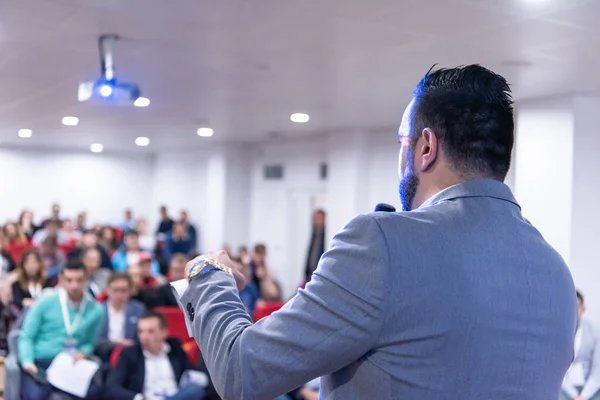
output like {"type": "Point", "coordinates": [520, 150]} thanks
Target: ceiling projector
{"type": "Point", "coordinates": [107, 89]}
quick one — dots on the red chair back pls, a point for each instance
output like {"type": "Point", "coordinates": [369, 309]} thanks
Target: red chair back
{"type": "Point", "coordinates": [267, 309]}
{"type": "Point", "coordinates": [175, 322]}
{"type": "Point", "coordinates": [15, 250]}
{"type": "Point", "coordinates": [114, 356]}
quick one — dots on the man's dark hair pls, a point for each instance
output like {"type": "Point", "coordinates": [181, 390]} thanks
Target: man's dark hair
{"type": "Point", "coordinates": [153, 314]}
{"type": "Point", "coordinates": [119, 276]}
{"type": "Point", "coordinates": [260, 249]}
{"type": "Point", "coordinates": [470, 110]}
{"type": "Point", "coordinates": [74, 265]}
{"type": "Point", "coordinates": [579, 296]}
{"type": "Point", "coordinates": [132, 232]}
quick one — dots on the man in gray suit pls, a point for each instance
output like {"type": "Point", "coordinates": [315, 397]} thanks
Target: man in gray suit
{"type": "Point", "coordinates": [457, 298]}
{"type": "Point", "coordinates": [582, 381]}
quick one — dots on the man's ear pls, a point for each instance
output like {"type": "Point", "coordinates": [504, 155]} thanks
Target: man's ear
{"type": "Point", "coordinates": [429, 148]}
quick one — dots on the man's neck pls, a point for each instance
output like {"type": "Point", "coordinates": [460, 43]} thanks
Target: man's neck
{"type": "Point", "coordinates": [116, 306]}
{"type": "Point", "coordinates": [158, 350]}
{"type": "Point", "coordinates": [75, 301]}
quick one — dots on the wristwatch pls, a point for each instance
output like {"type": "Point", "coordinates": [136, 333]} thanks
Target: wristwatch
{"type": "Point", "coordinates": [206, 265]}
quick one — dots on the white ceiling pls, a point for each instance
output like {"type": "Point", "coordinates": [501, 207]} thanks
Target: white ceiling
{"type": "Point", "coordinates": [242, 67]}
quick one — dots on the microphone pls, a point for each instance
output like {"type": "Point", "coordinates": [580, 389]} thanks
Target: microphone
{"type": "Point", "coordinates": [384, 208]}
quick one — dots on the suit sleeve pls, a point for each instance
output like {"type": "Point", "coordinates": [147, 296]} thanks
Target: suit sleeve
{"type": "Point", "coordinates": [117, 378]}
{"type": "Point", "coordinates": [331, 323]}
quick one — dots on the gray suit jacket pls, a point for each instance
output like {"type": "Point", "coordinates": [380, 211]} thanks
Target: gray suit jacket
{"type": "Point", "coordinates": [459, 299]}
{"type": "Point", "coordinates": [589, 357]}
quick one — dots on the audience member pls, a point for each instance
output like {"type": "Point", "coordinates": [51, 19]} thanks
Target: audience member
{"type": "Point", "coordinates": [53, 258]}
{"type": "Point", "coordinates": [152, 369]}
{"type": "Point", "coordinates": [178, 241]}
{"type": "Point", "coordinates": [108, 239]}
{"type": "Point", "coordinates": [121, 315]}
{"type": "Point", "coordinates": [72, 235]}
{"type": "Point", "coordinates": [317, 244]}
{"type": "Point", "coordinates": [54, 217]}
{"type": "Point", "coordinates": [131, 253]}
{"type": "Point", "coordinates": [89, 240]}
{"type": "Point", "coordinates": [310, 391]}
{"type": "Point", "coordinates": [26, 223]}
{"type": "Point", "coordinates": [137, 290]}
{"type": "Point", "coordinates": [68, 320]}
{"type": "Point", "coordinates": [189, 228]}
{"type": "Point", "coordinates": [244, 255]}
{"type": "Point", "coordinates": [128, 223]}
{"type": "Point", "coordinates": [146, 240]}
{"type": "Point", "coordinates": [30, 280]}
{"type": "Point", "coordinates": [261, 276]}
{"type": "Point", "coordinates": [162, 296]}
{"type": "Point", "coordinates": [582, 380]}
{"type": "Point", "coordinates": [249, 295]}
{"type": "Point", "coordinates": [50, 230]}
{"type": "Point", "coordinates": [98, 276]}
{"type": "Point", "coordinates": [165, 224]}
{"type": "Point", "coordinates": [81, 223]}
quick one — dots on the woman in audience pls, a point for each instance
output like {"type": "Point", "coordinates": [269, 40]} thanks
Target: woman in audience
{"type": "Point", "coordinates": [30, 280]}
{"type": "Point", "coordinates": [15, 240]}
{"type": "Point", "coordinates": [26, 223]}
{"type": "Point", "coordinates": [137, 280]}
{"type": "Point", "coordinates": [108, 239]}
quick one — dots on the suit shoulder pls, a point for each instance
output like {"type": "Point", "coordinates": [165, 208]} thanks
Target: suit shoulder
{"type": "Point", "coordinates": [131, 352]}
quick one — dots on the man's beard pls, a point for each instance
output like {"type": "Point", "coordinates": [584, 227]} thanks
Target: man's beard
{"type": "Point", "coordinates": [408, 190]}
{"type": "Point", "coordinates": [408, 185]}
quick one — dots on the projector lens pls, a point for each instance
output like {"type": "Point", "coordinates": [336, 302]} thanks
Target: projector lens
{"type": "Point", "coordinates": [105, 90]}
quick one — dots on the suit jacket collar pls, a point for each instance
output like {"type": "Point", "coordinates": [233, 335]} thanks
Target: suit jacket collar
{"type": "Point", "coordinates": [475, 188]}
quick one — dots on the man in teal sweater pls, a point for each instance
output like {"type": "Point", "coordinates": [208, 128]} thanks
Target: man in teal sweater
{"type": "Point", "coordinates": [68, 320]}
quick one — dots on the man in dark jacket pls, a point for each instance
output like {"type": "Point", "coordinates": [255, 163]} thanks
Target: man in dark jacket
{"type": "Point", "coordinates": [153, 368]}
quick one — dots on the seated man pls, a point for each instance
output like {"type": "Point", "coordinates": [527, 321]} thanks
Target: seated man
{"type": "Point", "coordinates": [162, 296]}
{"type": "Point", "coordinates": [121, 316]}
{"type": "Point", "coordinates": [68, 320]}
{"type": "Point", "coordinates": [152, 369]}
{"type": "Point", "coordinates": [582, 380]}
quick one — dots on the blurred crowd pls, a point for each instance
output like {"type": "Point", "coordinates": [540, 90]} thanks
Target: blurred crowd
{"type": "Point", "coordinates": [102, 292]}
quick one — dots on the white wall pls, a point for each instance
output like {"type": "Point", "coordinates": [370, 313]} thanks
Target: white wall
{"type": "Point", "coordinates": [100, 184]}
{"type": "Point", "coordinates": [544, 169]}
{"type": "Point", "coordinates": [180, 183]}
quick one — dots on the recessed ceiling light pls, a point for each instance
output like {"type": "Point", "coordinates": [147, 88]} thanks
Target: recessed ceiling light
{"type": "Point", "coordinates": [205, 132]}
{"type": "Point", "coordinates": [70, 121]}
{"type": "Point", "coordinates": [96, 148]}
{"type": "Point", "coordinates": [25, 133]}
{"type": "Point", "coordinates": [299, 118]}
{"type": "Point", "coordinates": [141, 102]}
{"type": "Point", "coordinates": [142, 141]}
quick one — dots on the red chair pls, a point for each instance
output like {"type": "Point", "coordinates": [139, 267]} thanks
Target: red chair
{"type": "Point", "coordinates": [15, 250]}
{"type": "Point", "coordinates": [114, 356]}
{"type": "Point", "coordinates": [102, 297]}
{"type": "Point", "coordinates": [192, 350]}
{"type": "Point", "coordinates": [264, 310]}
{"type": "Point", "coordinates": [175, 322]}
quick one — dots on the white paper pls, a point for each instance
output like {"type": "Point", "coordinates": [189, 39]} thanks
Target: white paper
{"type": "Point", "coordinates": [178, 288]}
{"type": "Point", "coordinates": [69, 376]}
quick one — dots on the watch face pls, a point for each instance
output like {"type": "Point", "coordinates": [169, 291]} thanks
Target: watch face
{"type": "Point", "coordinates": [196, 267]}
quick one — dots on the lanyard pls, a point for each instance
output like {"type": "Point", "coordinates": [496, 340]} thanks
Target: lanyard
{"type": "Point", "coordinates": [71, 327]}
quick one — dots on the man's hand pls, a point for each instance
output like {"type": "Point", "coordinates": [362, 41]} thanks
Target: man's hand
{"type": "Point", "coordinates": [222, 258]}
{"type": "Point", "coordinates": [31, 369]}
{"type": "Point", "coordinates": [78, 356]}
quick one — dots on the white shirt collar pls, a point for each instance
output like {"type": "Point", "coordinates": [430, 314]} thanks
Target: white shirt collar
{"type": "Point", "coordinates": [166, 349]}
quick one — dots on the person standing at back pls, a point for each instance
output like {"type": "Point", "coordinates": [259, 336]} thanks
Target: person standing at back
{"type": "Point", "coordinates": [457, 297]}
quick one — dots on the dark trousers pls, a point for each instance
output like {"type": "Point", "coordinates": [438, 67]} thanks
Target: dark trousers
{"type": "Point", "coordinates": [33, 388]}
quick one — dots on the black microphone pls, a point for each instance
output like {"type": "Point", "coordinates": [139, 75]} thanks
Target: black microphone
{"type": "Point", "coordinates": [384, 208]}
